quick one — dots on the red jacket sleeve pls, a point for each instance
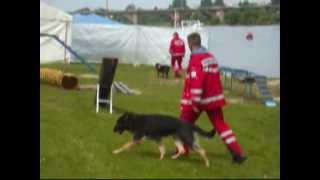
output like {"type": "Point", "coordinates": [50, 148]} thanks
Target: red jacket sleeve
{"type": "Point", "coordinates": [196, 81]}
{"type": "Point", "coordinates": [171, 47]}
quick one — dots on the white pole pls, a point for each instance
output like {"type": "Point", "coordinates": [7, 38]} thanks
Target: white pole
{"type": "Point", "coordinates": [97, 99]}
{"type": "Point", "coordinates": [110, 103]}
{"type": "Point", "coordinates": [66, 41]}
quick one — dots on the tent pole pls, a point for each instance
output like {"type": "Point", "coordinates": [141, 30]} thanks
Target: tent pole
{"type": "Point", "coordinates": [65, 49]}
{"type": "Point", "coordinates": [66, 41]}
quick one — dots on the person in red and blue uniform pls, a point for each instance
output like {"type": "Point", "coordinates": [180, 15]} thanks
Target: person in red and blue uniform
{"type": "Point", "coordinates": [203, 91]}
{"type": "Point", "coordinates": [177, 51]}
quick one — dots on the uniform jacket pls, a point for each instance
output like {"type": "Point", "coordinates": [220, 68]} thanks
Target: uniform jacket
{"type": "Point", "coordinates": [202, 87]}
{"type": "Point", "coordinates": [177, 47]}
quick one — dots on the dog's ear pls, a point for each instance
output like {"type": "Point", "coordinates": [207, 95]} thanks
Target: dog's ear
{"type": "Point", "coordinates": [125, 114]}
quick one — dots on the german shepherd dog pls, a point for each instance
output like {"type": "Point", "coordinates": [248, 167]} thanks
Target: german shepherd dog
{"type": "Point", "coordinates": [163, 70]}
{"type": "Point", "coordinates": [155, 127]}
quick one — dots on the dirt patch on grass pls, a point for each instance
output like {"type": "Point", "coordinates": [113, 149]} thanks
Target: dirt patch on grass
{"type": "Point", "coordinates": [275, 82]}
{"type": "Point", "coordinates": [173, 82]}
{"type": "Point", "coordinates": [89, 76]}
{"type": "Point", "coordinates": [277, 99]}
{"type": "Point", "coordinates": [235, 100]}
{"type": "Point", "coordinates": [88, 87]}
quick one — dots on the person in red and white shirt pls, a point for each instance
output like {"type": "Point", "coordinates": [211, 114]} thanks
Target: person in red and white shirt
{"type": "Point", "coordinates": [177, 51]}
{"type": "Point", "coordinates": [203, 91]}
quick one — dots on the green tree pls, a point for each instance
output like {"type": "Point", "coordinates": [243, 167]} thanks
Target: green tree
{"type": "Point", "coordinates": [197, 15]}
{"type": "Point", "coordinates": [179, 4]}
{"type": "Point", "coordinates": [100, 11]}
{"type": "Point", "coordinates": [83, 11]}
{"type": "Point", "coordinates": [206, 3]}
{"type": "Point", "coordinates": [244, 3]}
{"type": "Point", "coordinates": [250, 16]}
{"type": "Point", "coordinates": [218, 3]}
{"type": "Point", "coordinates": [156, 19]}
{"type": "Point", "coordinates": [214, 20]}
{"type": "Point", "coordinates": [122, 19]}
{"type": "Point", "coordinates": [232, 17]}
{"type": "Point", "coordinates": [131, 7]}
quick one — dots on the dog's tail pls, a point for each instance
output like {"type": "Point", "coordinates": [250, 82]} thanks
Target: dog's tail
{"type": "Point", "coordinates": [204, 133]}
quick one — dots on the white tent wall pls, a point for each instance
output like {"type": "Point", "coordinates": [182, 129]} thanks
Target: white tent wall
{"type": "Point", "coordinates": [54, 22]}
{"type": "Point", "coordinates": [131, 44]}
{"type": "Point", "coordinates": [94, 41]}
{"type": "Point", "coordinates": [149, 45]}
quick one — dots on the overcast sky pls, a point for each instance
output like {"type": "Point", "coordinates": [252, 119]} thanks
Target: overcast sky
{"type": "Point", "coordinates": [70, 5]}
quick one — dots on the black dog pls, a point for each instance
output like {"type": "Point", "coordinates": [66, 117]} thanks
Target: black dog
{"type": "Point", "coordinates": [163, 70]}
{"type": "Point", "coordinates": [155, 127]}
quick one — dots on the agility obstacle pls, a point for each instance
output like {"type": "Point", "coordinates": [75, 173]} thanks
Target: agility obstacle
{"type": "Point", "coordinates": [248, 79]}
{"type": "Point", "coordinates": [58, 78]}
{"type": "Point", "coordinates": [104, 91]}
{"type": "Point", "coordinates": [82, 60]}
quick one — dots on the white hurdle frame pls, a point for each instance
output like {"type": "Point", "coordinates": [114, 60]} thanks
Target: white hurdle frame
{"type": "Point", "coordinates": [98, 100]}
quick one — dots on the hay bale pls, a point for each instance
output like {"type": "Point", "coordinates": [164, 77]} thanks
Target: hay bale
{"type": "Point", "coordinates": [58, 78]}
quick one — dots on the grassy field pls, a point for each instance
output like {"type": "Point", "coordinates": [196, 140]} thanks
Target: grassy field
{"type": "Point", "coordinates": [76, 142]}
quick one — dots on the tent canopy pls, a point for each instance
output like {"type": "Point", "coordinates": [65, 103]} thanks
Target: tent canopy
{"type": "Point", "coordinates": [54, 22]}
{"type": "Point", "coordinates": [93, 19]}
{"type": "Point", "coordinates": [53, 14]}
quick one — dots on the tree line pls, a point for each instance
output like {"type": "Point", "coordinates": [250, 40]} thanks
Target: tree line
{"type": "Point", "coordinates": [248, 13]}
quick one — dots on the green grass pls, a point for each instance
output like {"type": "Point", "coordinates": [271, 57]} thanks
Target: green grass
{"type": "Point", "coordinates": [76, 142]}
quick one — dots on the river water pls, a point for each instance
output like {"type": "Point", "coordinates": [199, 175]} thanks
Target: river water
{"type": "Point", "coordinates": [231, 48]}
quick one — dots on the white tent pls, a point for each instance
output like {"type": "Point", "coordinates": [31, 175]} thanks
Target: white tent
{"type": "Point", "coordinates": [130, 43]}
{"type": "Point", "coordinates": [54, 22]}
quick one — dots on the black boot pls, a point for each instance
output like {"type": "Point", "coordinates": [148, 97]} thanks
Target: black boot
{"type": "Point", "coordinates": [238, 159]}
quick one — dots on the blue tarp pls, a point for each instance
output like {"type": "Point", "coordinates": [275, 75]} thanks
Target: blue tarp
{"type": "Point", "coordinates": [93, 19]}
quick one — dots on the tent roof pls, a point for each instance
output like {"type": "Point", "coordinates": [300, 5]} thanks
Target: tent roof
{"type": "Point", "coordinates": [93, 19]}
{"type": "Point", "coordinates": [50, 13]}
